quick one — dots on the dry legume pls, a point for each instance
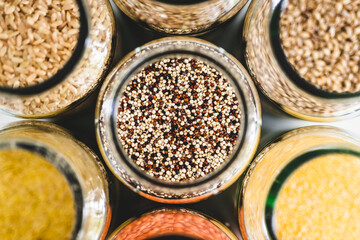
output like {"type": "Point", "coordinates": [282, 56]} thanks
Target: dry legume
{"type": "Point", "coordinates": [173, 222]}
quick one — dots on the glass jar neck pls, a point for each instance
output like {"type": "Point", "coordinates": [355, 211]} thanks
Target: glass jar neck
{"type": "Point", "coordinates": [292, 74]}
{"type": "Point", "coordinates": [285, 173]}
{"type": "Point", "coordinates": [182, 2]}
{"type": "Point", "coordinates": [61, 74]}
{"type": "Point", "coordinates": [178, 53]}
{"type": "Point", "coordinates": [59, 162]}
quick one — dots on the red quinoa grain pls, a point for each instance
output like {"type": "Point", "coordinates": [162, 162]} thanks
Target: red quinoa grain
{"type": "Point", "coordinates": [179, 119]}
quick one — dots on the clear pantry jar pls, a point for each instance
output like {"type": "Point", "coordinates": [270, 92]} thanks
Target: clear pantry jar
{"type": "Point", "coordinates": [53, 54]}
{"type": "Point", "coordinates": [52, 186]}
{"type": "Point", "coordinates": [181, 224]}
{"type": "Point", "coordinates": [303, 185]}
{"type": "Point", "coordinates": [178, 120]}
{"type": "Point", "coordinates": [180, 17]}
{"type": "Point", "coordinates": [304, 56]}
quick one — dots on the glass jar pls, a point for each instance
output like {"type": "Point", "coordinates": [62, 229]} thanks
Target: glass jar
{"type": "Point", "coordinates": [80, 167]}
{"type": "Point", "coordinates": [172, 224]}
{"type": "Point", "coordinates": [82, 71]}
{"type": "Point", "coordinates": [308, 163]}
{"type": "Point", "coordinates": [180, 16]}
{"type": "Point", "coordinates": [108, 109]}
{"type": "Point", "coordinates": [278, 79]}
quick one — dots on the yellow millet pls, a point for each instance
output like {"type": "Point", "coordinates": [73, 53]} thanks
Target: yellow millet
{"type": "Point", "coordinates": [321, 200]}
{"type": "Point", "coordinates": [35, 199]}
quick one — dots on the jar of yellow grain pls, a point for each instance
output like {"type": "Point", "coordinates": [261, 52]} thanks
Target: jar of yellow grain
{"type": "Point", "coordinates": [51, 185]}
{"type": "Point", "coordinates": [53, 54]}
{"type": "Point", "coordinates": [304, 185]}
{"type": "Point", "coordinates": [304, 55]}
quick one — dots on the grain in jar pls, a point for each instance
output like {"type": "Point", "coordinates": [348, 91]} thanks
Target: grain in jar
{"type": "Point", "coordinates": [321, 40]}
{"type": "Point", "coordinates": [180, 125]}
{"type": "Point", "coordinates": [303, 185]}
{"type": "Point", "coordinates": [278, 48]}
{"type": "Point", "coordinates": [182, 224]}
{"type": "Point", "coordinates": [47, 72]}
{"type": "Point", "coordinates": [36, 199]}
{"type": "Point", "coordinates": [52, 186]}
{"type": "Point", "coordinates": [180, 17]}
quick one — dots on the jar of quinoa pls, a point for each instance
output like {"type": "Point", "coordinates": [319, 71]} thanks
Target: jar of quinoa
{"type": "Point", "coordinates": [53, 54]}
{"type": "Point", "coordinates": [180, 17]}
{"type": "Point", "coordinates": [303, 185]}
{"type": "Point", "coordinates": [305, 57]}
{"type": "Point", "coordinates": [52, 186]}
{"type": "Point", "coordinates": [178, 120]}
{"type": "Point", "coordinates": [181, 224]}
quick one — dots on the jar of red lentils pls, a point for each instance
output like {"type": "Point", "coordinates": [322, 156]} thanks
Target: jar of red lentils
{"type": "Point", "coordinates": [304, 56]}
{"type": "Point", "coordinates": [303, 185]}
{"type": "Point", "coordinates": [53, 54]}
{"type": "Point", "coordinates": [178, 120]}
{"type": "Point", "coordinates": [180, 17]}
{"type": "Point", "coordinates": [181, 224]}
{"type": "Point", "coordinates": [52, 186]}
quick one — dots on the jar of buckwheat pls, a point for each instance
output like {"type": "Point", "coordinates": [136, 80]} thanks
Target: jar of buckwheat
{"type": "Point", "coordinates": [53, 54]}
{"type": "Point", "coordinates": [304, 55]}
{"type": "Point", "coordinates": [180, 17]}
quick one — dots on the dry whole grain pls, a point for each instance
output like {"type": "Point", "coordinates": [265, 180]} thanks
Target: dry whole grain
{"type": "Point", "coordinates": [30, 53]}
{"type": "Point", "coordinates": [83, 79]}
{"type": "Point", "coordinates": [321, 40]}
{"type": "Point", "coordinates": [179, 119]}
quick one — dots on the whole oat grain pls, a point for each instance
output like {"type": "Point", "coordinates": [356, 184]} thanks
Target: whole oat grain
{"type": "Point", "coordinates": [179, 119]}
{"type": "Point", "coordinates": [321, 40]}
{"type": "Point", "coordinates": [37, 37]}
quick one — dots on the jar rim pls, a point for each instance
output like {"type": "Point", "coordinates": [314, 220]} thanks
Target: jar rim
{"type": "Point", "coordinates": [170, 210]}
{"type": "Point", "coordinates": [182, 2]}
{"type": "Point", "coordinates": [289, 70]}
{"type": "Point", "coordinates": [252, 210]}
{"type": "Point", "coordinates": [180, 43]}
{"type": "Point", "coordinates": [287, 171]}
{"type": "Point", "coordinates": [60, 163]}
{"type": "Point", "coordinates": [201, 180]}
{"type": "Point", "coordinates": [72, 62]}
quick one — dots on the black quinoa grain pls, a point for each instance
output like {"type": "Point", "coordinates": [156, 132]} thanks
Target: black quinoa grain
{"type": "Point", "coordinates": [179, 119]}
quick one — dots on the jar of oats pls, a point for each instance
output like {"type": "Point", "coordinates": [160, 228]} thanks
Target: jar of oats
{"type": "Point", "coordinates": [180, 17]}
{"type": "Point", "coordinates": [178, 120]}
{"type": "Point", "coordinates": [304, 55]}
{"type": "Point", "coordinates": [303, 185]}
{"type": "Point", "coordinates": [52, 186]}
{"type": "Point", "coordinates": [180, 224]}
{"type": "Point", "coordinates": [53, 54]}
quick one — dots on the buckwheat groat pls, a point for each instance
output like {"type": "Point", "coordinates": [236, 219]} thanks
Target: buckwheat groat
{"type": "Point", "coordinates": [321, 40]}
